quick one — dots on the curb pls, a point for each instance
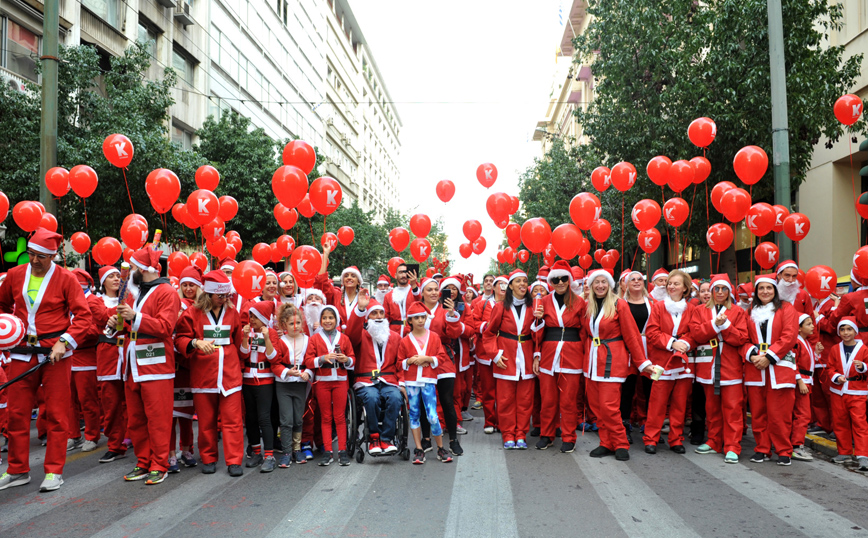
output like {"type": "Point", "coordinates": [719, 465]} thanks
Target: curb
{"type": "Point", "coordinates": [821, 444]}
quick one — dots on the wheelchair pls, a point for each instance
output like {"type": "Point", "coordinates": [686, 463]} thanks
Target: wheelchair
{"type": "Point", "coordinates": [359, 433]}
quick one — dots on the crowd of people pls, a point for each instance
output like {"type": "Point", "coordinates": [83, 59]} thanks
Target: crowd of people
{"type": "Point", "coordinates": [137, 360]}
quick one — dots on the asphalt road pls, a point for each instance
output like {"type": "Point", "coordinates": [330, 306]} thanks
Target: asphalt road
{"type": "Point", "coordinates": [486, 492]}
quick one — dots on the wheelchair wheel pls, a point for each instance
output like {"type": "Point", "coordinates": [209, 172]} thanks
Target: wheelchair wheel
{"type": "Point", "coordinates": [402, 430]}
{"type": "Point", "coordinates": [406, 454]}
{"type": "Point", "coordinates": [352, 435]}
{"type": "Point", "coordinates": [360, 455]}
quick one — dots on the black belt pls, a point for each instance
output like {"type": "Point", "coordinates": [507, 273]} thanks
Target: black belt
{"type": "Point", "coordinates": [103, 339]}
{"type": "Point", "coordinates": [142, 336]}
{"type": "Point", "coordinates": [396, 323]}
{"type": "Point", "coordinates": [863, 329]}
{"type": "Point", "coordinates": [597, 342]}
{"type": "Point", "coordinates": [32, 348]}
{"type": "Point", "coordinates": [806, 372]}
{"type": "Point", "coordinates": [715, 345]}
{"type": "Point", "coordinates": [859, 377]}
{"type": "Point", "coordinates": [375, 375]}
{"type": "Point", "coordinates": [261, 365]}
{"type": "Point", "coordinates": [561, 334]}
{"type": "Point", "coordinates": [520, 338]}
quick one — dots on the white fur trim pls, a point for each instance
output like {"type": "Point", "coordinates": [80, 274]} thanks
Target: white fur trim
{"type": "Point", "coordinates": [217, 288]}
{"type": "Point", "coordinates": [110, 272]}
{"type": "Point", "coordinates": [601, 272]}
{"type": "Point", "coordinates": [847, 322]}
{"type": "Point", "coordinates": [764, 280]}
{"type": "Point", "coordinates": [558, 273]}
{"type": "Point", "coordinates": [786, 265]}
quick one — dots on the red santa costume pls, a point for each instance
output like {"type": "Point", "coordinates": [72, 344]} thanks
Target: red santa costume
{"type": "Point", "coordinates": [56, 310]}
{"type": "Point", "coordinates": [560, 354]}
{"type": "Point", "coordinates": [485, 350]}
{"type": "Point", "coordinates": [228, 266]}
{"type": "Point", "coordinates": [793, 293]}
{"type": "Point", "coordinates": [396, 303]}
{"type": "Point", "coordinates": [84, 376]}
{"type": "Point", "coordinates": [802, 407]}
{"type": "Point", "coordinates": [109, 376]}
{"type": "Point", "coordinates": [849, 391]}
{"type": "Point", "coordinates": [458, 330]}
{"type": "Point", "coordinates": [216, 376]}
{"type": "Point", "coordinates": [771, 391]}
{"type": "Point", "coordinates": [853, 304]}
{"type": "Point", "coordinates": [720, 370]}
{"type": "Point", "coordinates": [258, 388]}
{"type": "Point", "coordinates": [338, 297]}
{"type": "Point", "coordinates": [821, 406]}
{"type": "Point", "coordinates": [510, 324]}
{"type": "Point", "coordinates": [184, 409]}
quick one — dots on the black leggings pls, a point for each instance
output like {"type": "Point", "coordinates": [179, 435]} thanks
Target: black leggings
{"type": "Point", "coordinates": [445, 389]}
{"type": "Point", "coordinates": [628, 390]}
{"type": "Point", "coordinates": [257, 404]}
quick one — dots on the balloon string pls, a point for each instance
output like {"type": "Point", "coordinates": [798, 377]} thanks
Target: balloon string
{"type": "Point", "coordinates": [60, 221]}
{"type": "Point", "coordinates": [855, 200]}
{"type": "Point", "coordinates": [633, 261]}
{"type": "Point", "coordinates": [130, 196]}
{"type": "Point", "coordinates": [324, 224]}
{"type": "Point", "coordinates": [689, 218]}
{"type": "Point", "coordinates": [668, 240]}
{"type": "Point", "coordinates": [622, 232]}
{"type": "Point", "coordinates": [707, 217]}
{"type": "Point", "coordinates": [734, 251]}
{"type": "Point", "coordinates": [310, 224]}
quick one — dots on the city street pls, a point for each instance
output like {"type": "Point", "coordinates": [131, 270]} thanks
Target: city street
{"type": "Point", "coordinates": [487, 492]}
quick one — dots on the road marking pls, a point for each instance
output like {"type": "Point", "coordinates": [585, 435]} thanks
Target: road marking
{"type": "Point", "coordinates": [481, 477]}
{"type": "Point", "coordinates": [786, 504]}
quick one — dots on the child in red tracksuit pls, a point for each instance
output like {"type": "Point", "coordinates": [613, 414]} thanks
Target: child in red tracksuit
{"type": "Point", "coordinates": [804, 351]}
{"type": "Point", "coordinates": [849, 390]}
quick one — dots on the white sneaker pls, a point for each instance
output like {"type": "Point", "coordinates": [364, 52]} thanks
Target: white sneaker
{"type": "Point", "coordinates": [460, 431]}
{"type": "Point", "coordinates": [488, 429]}
{"type": "Point", "coordinates": [72, 444]}
{"type": "Point", "coordinates": [88, 446]}
{"type": "Point", "coordinates": [11, 480]}
{"type": "Point", "coordinates": [52, 482]}
{"type": "Point", "coordinates": [466, 416]}
{"type": "Point", "coordinates": [802, 454]}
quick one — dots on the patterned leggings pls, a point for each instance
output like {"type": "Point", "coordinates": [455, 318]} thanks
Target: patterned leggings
{"type": "Point", "coordinates": [427, 396]}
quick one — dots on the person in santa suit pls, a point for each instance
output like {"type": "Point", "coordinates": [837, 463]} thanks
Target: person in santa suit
{"type": "Point", "coordinates": [804, 380]}
{"type": "Point", "coordinates": [289, 292]}
{"type": "Point", "coordinates": [718, 328]}
{"type": "Point", "coordinates": [190, 286]}
{"type": "Point", "coordinates": [821, 410]}
{"type": "Point", "coordinates": [635, 388]}
{"type": "Point", "coordinates": [669, 341]}
{"type": "Point", "coordinates": [460, 329]}
{"type": "Point", "coordinates": [485, 350]}
{"type": "Point", "coordinates": [770, 370]}
{"type": "Point", "coordinates": [696, 404]}
{"type": "Point", "coordinates": [110, 370]}
{"type": "Point", "coordinates": [257, 351]}
{"type": "Point", "coordinates": [848, 373]}
{"type": "Point", "coordinates": [510, 323]}
{"type": "Point", "coordinates": [850, 305]}
{"type": "Point", "coordinates": [228, 266]}
{"type": "Point", "coordinates": [384, 285]}
{"type": "Point", "coordinates": [558, 361]}
{"type": "Point", "coordinates": [399, 299]}
{"type": "Point", "coordinates": [657, 288]}
{"type": "Point", "coordinates": [471, 386]}
{"type": "Point", "coordinates": [50, 302]}
{"type": "Point", "coordinates": [613, 347]}
{"type": "Point", "coordinates": [790, 290]}
{"type": "Point", "coordinates": [84, 383]}
{"type": "Point", "coordinates": [209, 335]}
{"type": "Point", "coordinates": [482, 292]}
{"type": "Point", "coordinates": [270, 293]}
{"type": "Point", "coordinates": [744, 292]}
{"type": "Point", "coordinates": [344, 299]}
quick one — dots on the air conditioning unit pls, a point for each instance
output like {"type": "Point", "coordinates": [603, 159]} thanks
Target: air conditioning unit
{"type": "Point", "coordinates": [13, 83]}
{"type": "Point", "coordinates": [182, 14]}
{"type": "Point", "coordinates": [330, 121]}
{"type": "Point", "coordinates": [166, 3]}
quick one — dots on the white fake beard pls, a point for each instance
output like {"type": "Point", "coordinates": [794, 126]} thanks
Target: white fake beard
{"type": "Point", "coordinates": [379, 330]}
{"type": "Point", "coordinates": [744, 304]}
{"type": "Point", "coordinates": [659, 293]}
{"type": "Point", "coordinates": [675, 308]}
{"type": "Point", "coordinates": [762, 313]}
{"type": "Point", "coordinates": [788, 291]}
{"type": "Point", "coordinates": [380, 295]}
{"type": "Point", "coordinates": [399, 294]}
{"type": "Point", "coordinates": [311, 315]}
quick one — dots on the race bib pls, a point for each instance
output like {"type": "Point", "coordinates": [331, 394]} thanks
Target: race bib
{"type": "Point", "coordinates": [221, 334]}
{"type": "Point", "coordinates": [148, 354]}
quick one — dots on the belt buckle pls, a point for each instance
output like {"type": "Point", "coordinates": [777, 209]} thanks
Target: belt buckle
{"type": "Point", "coordinates": [260, 365]}
{"type": "Point", "coordinates": [32, 340]}
{"type": "Point", "coordinates": [120, 341]}
{"type": "Point", "coordinates": [713, 343]}
{"type": "Point", "coordinates": [134, 335]}
{"type": "Point", "coordinates": [596, 341]}
{"type": "Point", "coordinates": [763, 347]}
{"type": "Point", "coordinates": [375, 374]}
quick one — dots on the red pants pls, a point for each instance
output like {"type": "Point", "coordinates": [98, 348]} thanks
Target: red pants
{"type": "Point", "coordinates": [771, 418]}
{"type": "Point", "coordinates": [821, 405]}
{"type": "Point", "coordinates": [331, 397]}
{"type": "Point", "coordinates": [801, 417]}
{"type": "Point", "coordinates": [535, 417]}
{"type": "Point", "coordinates": [848, 412]}
{"type": "Point", "coordinates": [149, 421]}
{"type": "Point", "coordinates": [111, 394]}
{"type": "Point", "coordinates": [3, 418]}
{"type": "Point", "coordinates": [185, 426]}
{"type": "Point", "coordinates": [208, 406]}
{"type": "Point", "coordinates": [558, 395]}
{"type": "Point", "coordinates": [514, 404]}
{"type": "Point", "coordinates": [671, 394]}
{"type": "Point", "coordinates": [724, 414]}
{"type": "Point", "coordinates": [311, 419]}
{"type": "Point", "coordinates": [489, 394]}
{"type": "Point", "coordinates": [604, 399]}
{"type": "Point", "coordinates": [477, 381]}
{"type": "Point", "coordinates": [55, 379]}
{"type": "Point", "coordinates": [84, 390]}
{"type": "Point", "coordinates": [466, 388]}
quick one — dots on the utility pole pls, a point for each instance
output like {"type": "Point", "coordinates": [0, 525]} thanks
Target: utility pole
{"type": "Point", "coordinates": [48, 129]}
{"type": "Point", "coordinates": [780, 124]}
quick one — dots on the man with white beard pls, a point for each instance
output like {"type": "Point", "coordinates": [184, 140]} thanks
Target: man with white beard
{"type": "Point", "coordinates": [744, 292]}
{"type": "Point", "coordinates": [398, 301]}
{"type": "Point", "coordinates": [659, 280]}
{"type": "Point", "coordinates": [313, 305]}
{"type": "Point", "coordinates": [384, 284]}
{"type": "Point", "coordinates": [378, 386]}
{"type": "Point", "coordinates": [790, 290]}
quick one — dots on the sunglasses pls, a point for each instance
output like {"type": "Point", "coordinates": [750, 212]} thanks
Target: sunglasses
{"type": "Point", "coordinates": [560, 280]}
{"type": "Point", "coordinates": [223, 296]}
{"type": "Point", "coordinates": [39, 256]}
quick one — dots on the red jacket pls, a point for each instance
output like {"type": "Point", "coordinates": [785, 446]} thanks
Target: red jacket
{"type": "Point", "coordinates": [855, 381]}
{"type": "Point", "coordinates": [396, 312]}
{"type": "Point", "coordinates": [219, 372]}
{"type": "Point", "coordinates": [661, 332]}
{"type": "Point", "coordinates": [335, 297]}
{"type": "Point", "coordinates": [415, 375]}
{"type": "Point", "coordinates": [729, 338]}
{"type": "Point", "coordinates": [853, 304]}
{"type": "Point", "coordinates": [288, 357]}
{"type": "Point", "coordinates": [804, 351]}
{"type": "Point", "coordinates": [560, 356]}
{"type": "Point", "coordinates": [781, 336]}
{"type": "Point", "coordinates": [462, 330]}
{"type": "Point", "coordinates": [485, 344]}
{"type": "Point", "coordinates": [149, 352]}
{"type": "Point", "coordinates": [318, 346]}
{"type": "Point", "coordinates": [369, 357]}
{"type": "Point", "coordinates": [109, 355]}
{"type": "Point", "coordinates": [517, 355]}
{"type": "Point", "coordinates": [828, 334]}
{"type": "Point", "coordinates": [437, 324]}
{"type": "Point", "coordinates": [256, 361]}
{"type": "Point", "coordinates": [84, 356]}
{"type": "Point", "coordinates": [621, 363]}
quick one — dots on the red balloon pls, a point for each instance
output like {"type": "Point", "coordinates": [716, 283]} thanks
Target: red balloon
{"type": "Point", "coordinates": [179, 213]}
{"type": "Point", "coordinates": [601, 178]}
{"type": "Point", "coordinates": [515, 202]}
{"type": "Point", "coordinates": [202, 206]}
{"type": "Point", "coordinates": [702, 131]}
{"type": "Point", "coordinates": [608, 261]}
{"type": "Point", "coordinates": [549, 255]}
{"type": "Point", "coordinates": [848, 109]}
{"type": "Point", "coordinates": [262, 253]}
{"type": "Point", "coordinates": [623, 176]}
{"type": "Point", "coordinates": [585, 247]}
{"type": "Point", "coordinates": [57, 181]}
{"type": "Point", "coordinates": [498, 206]}
{"type": "Point", "coordinates": [566, 240]}
{"type": "Point", "coordinates": [234, 241]}
{"type": "Point", "coordinates": [735, 204]}
{"type": "Point", "coordinates": [681, 176]}
{"type": "Point", "coordinates": [820, 281]}
{"type": "Point", "coordinates": [48, 222]}
{"type": "Point", "coordinates": [285, 244]}
{"type": "Point", "coordinates": [645, 214]}
{"type": "Point", "coordinates": [214, 229]}
{"type": "Point", "coordinates": [207, 177]}
{"type": "Point", "coordinates": [750, 164]}
{"type": "Point", "coordinates": [766, 255]}
{"type": "Point", "coordinates": [781, 213]}
{"type": "Point", "coordinates": [276, 255]}
{"type": "Point", "coordinates": [523, 256]}
{"type": "Point", "coordinates": [472, 230]}
{"type": "Point", "coordinates": [399, 238]}
{"type": "Point", "coordinates": [199, 260]}
{"type": "Point", "coordinates": [513, 234]}
{"type": "Point", "coordinates": [4, 207]}
{"type": "Point", "coordinates": [217, 247]}
{"type": "Point", "coordinates": [719, 237]}
{"type": "Point", "coordinates": [486, 174]}
{"type": "Point", "coordinates": [585, 261]}
{"type": "Point", "coordinates": [702, 167]}
{"type": "Point", "coordinates": [445, 190]}
{"type": "Point", "coordinates": [585, 208]}
{"type": "Point", "coordinates": [128, 253]}
{"type": "Point", "coordinates": [500, 256]}
{"type": "Point", "coordinates": [601, 230]}
{"type": "Point", "coordinates": [420, 248]}
{"type": "Point", "coordinates": [393, 265]}
{"type": "Point", "coordinates": [134, 234]}
{"type": "Point", "coordinates": [465, 250]}
{"type": "Point", "coordinates": [164, 188]}
{"type": "Point", "coordinates": [289, 184]}
{"type": "Point", "coordinates": [286, 218]}
{"type": "Point", "coordinates": [346, 235]}
{"type": "Point", "coordinates": [27, 215]}
{"type": "Point", "coordinates": [797, 226]}
{"type": "Point", "coordinates": [83, 180]}
{"type": "Point", "coordinates": [325, 195]}
{"type": "Point", "coordinates": [305, 207]}
{"type": "Point", "coordinates": [509, 255]}
{"type": "Point", "coordinates": [118, 150]}
{"type": "Point", "coordinates": [420, 225]}
{"type": "Point", "coordinates": [614, 254]}
{"type": "Point", "coordinates": [676, 211]}
{"type": "Point", "coordinates": [598, 254]}
{"type": "Point", "coordinates": [502, 223]}
{"type": "Point", "coordinates": [860, 263]}
{"type": "Point", "coordinates": [177, 262]}
{"type": "Point", "coordinates": [300, 154]}
{"type": "Point", "coordinates": [536, 234]}
{"type": "Point", "coordinates": [330, 239]}
{"type": "Point", "coordinates": [40, 206]}
{"type": "Point", "coordinates": [80, 242]}
{"type": "Point", "coordinates": [760, 219]}
{"type": "Point", "coordinates": [479, 245]}
{"type": "Point", "coordinates": [658, 170]}
{"type": "Point", "coordinates": [229, 253]}
{"type": "Point", "coordinates": [649, 240]}
{"type": "Point", "coordinates": [107, 251]}
{"type": "Point", "coordinates": [717, 193]}
{"type": "Point", "coordinates": [228, 208]}
{"type": "Point", "coordinates": [248, 279]}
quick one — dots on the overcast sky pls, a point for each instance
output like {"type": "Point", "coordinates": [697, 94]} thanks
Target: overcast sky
{"type": "Point", "coordinates": [471, 79]}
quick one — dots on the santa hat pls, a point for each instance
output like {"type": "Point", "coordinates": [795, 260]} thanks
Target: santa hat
{"type": "Point", "coordinates": [333, 308]}
{"type": "Point", "coordinates": [191, 274]}
{"type": "Point", "coordinates": [849, 320]}
{"type": "Point", "coordinates": [543, 272]}
{"type": "Point", "coordinates": [44, 241]}
{"type": "Point", "coordinates": [315, 292]}
{"type": "Point", "coordinates": [437, 275]}
{"type": "Point", "coordinates": [802, 318]}
{"type": "Point", "coordinates": [83, 276]}
{"type": "Point", "coordinates": [373, 305]}
{"type": "Point", "coordinates": [352, 270]}
{"type": "Point", "coordinates": [280, 275]}
{"type": "Point", "coordinates": [263, 310]}
{"type": "Point", "coordinates": [658, 273]}
{"type": "Point", "coordinates": [417, 309]}
{"type": "Point", "coordinates": [450, 280]}
{"type": "Point", "coordinates": [745, 290]}
{"type": "Point", "coordinates": [216, 282]}
{"type": "Point", "coordinates": [624, 274]}
{"type": "Point", "coordinates": [854, 280]}
{"type": "Point", "coordinates": [384, 279]}
{"type": "Point", "coordinates": [560, 269]}
{"type": "Point", "coordinates": [473, 290]}
{"type": "Point", "coordinates": [695, 283]}
{"type": "Point", "coordinates": [765, 279]}
{"type": "Point", "coordinates": [604, 273]}
{"type": "Point", "coordinates": [228, 264]}
{"type": "Point", "coordinates": [577, 272]}
{"type": "Point", "coordinates": [536, 283]}
{"type": "Point", "coordinates": [516, 273]}
{"type": "Point", "coordinates": [425, 281]}
{"type": "Point", "coordinates": [786, 264]}
{"type": "Point", "coordinates": [147, 259]}
{"type": "Point", "coordinates": [721, 280]}
{"type": "Point", "coordinates": [104, 273]}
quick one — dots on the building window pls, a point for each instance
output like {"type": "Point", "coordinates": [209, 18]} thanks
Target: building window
{"type": "Point", "coordinates": [108, 10]}
{"type": "Point", "coordinates": [183, 66]}
{"type": "Point", "coordinates": [21, 48]}
{"type": "Point", "coordinates": [148, 37]}
{"type": "Point", "coordinates": [182, 137]}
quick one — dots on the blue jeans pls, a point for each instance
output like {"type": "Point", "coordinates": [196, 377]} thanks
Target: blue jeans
{"type": "Point", "coordinates": [383, 397]}
{"type": "Point", "coordinates": [425, 395]}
